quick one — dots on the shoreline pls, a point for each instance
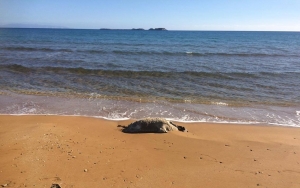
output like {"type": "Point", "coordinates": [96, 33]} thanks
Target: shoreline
{"type": "Point", "coordinates": [76, 151]}
{"type": "Point", "coordinates": [17, 104]}
{"type": "Point", "coordinates": [169, 119]}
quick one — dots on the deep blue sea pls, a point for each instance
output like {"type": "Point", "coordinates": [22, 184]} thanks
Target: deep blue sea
{"type": "Point", "coordinates": [203, 76]}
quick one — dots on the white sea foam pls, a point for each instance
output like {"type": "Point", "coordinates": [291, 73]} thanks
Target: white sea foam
{"type": "Point", "coordinates": [218, 112]}
{"type": "Point", "coordinates": [187, 101]}
{"type": "Point", "coordinates": [220, 103]}
{"type": "Point", "coordinates": [208, 121]}
{"type": "Point", "coordinates": [182, 120]}
{"type": "Point", "coordinates": [111, 119]}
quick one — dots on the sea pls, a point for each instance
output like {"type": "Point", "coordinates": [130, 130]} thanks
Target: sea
{"type": "Point", "coordinates": [187, 76]}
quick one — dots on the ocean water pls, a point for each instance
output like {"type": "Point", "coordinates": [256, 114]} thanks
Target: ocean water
{"type": "Point", "coordinates": [203, 76]}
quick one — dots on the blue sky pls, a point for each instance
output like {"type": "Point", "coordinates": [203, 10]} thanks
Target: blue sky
{"type": "Point", "coordinates": [280, 15]}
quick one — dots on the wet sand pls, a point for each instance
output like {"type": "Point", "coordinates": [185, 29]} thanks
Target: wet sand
{"type": "Point", "coordinates": [37, 151]}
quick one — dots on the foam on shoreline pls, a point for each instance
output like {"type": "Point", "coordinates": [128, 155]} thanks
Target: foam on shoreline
{"type": "Point", "coordinates": [16, 104]}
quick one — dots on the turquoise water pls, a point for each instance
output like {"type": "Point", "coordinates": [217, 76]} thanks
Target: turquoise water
{"type": "Point", "coordinates": [248, 77]}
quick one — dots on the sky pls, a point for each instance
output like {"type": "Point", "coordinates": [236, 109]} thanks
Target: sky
{"type": "Point", "coordinates": [247, 15]}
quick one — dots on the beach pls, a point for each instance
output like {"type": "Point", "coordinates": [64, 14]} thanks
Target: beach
{"type": "Point", "coordinates": [66, 93]}
{"type": "Point", "coordinates": [76, 151]}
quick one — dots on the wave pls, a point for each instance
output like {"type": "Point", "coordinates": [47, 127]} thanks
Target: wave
{"type": "Point", "coordinates": [124, 110]}
{"type": "Point", "coordinates": [167, 53]}
{"type": "Point", "coordinates": [93, 51]}
{"type": "Point", "coordinates": [239, 54]}
{"type": "Point", "coordinates": [134, 74]}
{"type": "Point", "coordinates": [199, 54]}
{"type": "Point", "coordinates": [31, 49]}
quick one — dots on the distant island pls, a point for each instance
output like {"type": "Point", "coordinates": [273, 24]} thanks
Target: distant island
{"type": "Point", "coordinates": [139, 29]}
{"type": "Point", "coordinates": [158, 29]}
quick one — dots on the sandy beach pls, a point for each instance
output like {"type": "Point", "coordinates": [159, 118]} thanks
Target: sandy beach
{"type": "Point", "coordinates": [38, 151]}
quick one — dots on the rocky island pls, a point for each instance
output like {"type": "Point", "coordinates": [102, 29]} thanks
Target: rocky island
{"type": "Point", "coordinates": [140, 29]}
{"type": "Point", "coordinates": [158, 29]}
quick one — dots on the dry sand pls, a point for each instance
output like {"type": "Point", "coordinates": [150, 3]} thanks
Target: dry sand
{"type": "Point", "coordinates": [37, 151]}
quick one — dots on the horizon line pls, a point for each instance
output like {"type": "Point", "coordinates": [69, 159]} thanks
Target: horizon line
{"type": "Point", "coordinates": [134, 29]}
